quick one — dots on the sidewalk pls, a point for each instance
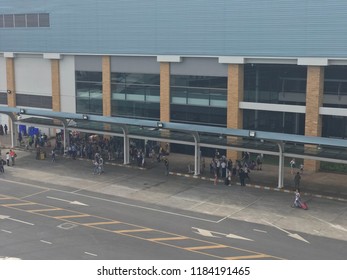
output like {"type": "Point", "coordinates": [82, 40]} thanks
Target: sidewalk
{"type": "Point", "coordinates": [316, 184]}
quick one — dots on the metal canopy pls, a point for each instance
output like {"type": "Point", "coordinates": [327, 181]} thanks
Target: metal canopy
{"type": "Point", "coordinates": [41, 122]}
{"type": "Point", "coordinates": [278, 144]}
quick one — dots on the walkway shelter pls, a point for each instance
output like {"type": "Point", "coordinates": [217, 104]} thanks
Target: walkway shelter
{"type": "Point", "coordinates": [277, 144]}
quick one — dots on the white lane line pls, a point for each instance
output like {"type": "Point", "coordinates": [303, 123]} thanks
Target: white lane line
{"type": "Point", "coordinates": [7, 231]}
{"type": "Point", "coordinates": [68, 201]}
{"type": "Point", "coordinates": [20, 221]}
{"type": "Point", "coordinates": [2, 217]}
{"type": "Point", "coordinates": [148, 208]}
{"type": "Point", "coordinates": [25, 184]}
{"type": "Point", "coordinates": [47, 242]}
{"type": "Point", "coordinates": [94, 255]}
{"type": "Point", "coordinates": [259, 230]}
{"type": "Point", "coordinates": [293, 235]}
{"type": "Point", "coordinates": [123, 203]}
{"type": "Point", "coordinates": [34, 194]}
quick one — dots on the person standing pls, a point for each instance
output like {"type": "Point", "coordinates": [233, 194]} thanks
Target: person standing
{"type": "Point", "coordinates": [53, 155]}
{"type": "Point", "coordinates": [242, 177]}
{"type": "Point", "coordinates": [215, 177]}
{"type": "Point", "coordinates": [8, 159]}
{"type": "Point", "coordinates": [2, 162]}
{"type": "Point", "coordinates": [12, 156]}
{"type": "Point", "coordinates": [292, 165]}
{"type": "Point", "coordinates": [259, 162]}
{"type": "Point", "coordinates": [297, 179]}
{"type": "Point", "coordinates": [6, 129]}
{"type": "Point", "coordinates": [166, 162]}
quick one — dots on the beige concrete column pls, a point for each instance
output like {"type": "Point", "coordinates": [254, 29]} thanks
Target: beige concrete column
{"type": "Point", "coordinates": [55, 72]}
{"type": "Point", "coordinates": [235, 96]}
{"type": "Point", "coordinates": [165, 98]}
{"type": "Point", "coordinates": [106, 85]}
{"type": "Point", "coordinates": [11, 84]}
{"type": "Point", "coordinates": [314, 100]}
{"type": "Point", "coordinates": [11, 95]}
{"type": "Point", "coordinates": [165, 91]}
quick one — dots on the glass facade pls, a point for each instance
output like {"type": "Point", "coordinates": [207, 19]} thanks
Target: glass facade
{"type": "Point", "coordinates": [89, 92]}
{"type": "Point", "coordinates": [135, 95]}
{"type": "Point", "coordinates": [281, 122]}
{"type": "Point", "coordinates": [278, 84]}
{"type": "Point", "coordinates": [334, 127]}
{"type": "Point", "coordinates": [198, 99]}
{"type": "Point", "coordinates": [335, 87]}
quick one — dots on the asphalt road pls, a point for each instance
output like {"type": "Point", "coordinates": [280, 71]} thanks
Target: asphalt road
{"type": "Point", "coordinates": [43, 221]}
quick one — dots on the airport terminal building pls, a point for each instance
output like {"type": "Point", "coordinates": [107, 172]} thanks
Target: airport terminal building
{"type": "Point", "coordinates": [267, 65]}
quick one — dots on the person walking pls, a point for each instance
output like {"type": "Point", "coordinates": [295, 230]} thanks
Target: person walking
{"type": "Point", "coordinates": [297, 179]}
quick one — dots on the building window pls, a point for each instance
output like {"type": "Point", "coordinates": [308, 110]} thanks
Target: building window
{"type": "Point", "coordinates": [37, 101]}
{"type": "Point", "coordinates": [43, 20]}
{"type": "Point", "coordinates": [198, 99]}
{"type": "Point", "coordinates": [24, 20]}
{"type": "Point", "coordinates": [3, 98]}
{"type": "Point", "coordinates": [8, 21]}
{"type": "Point", "coordinates": [88, 92]}
{"type": "Point", "coordinates": [135, 95]}
{"type": "Point", "coordinates": [281, 122]}
{"type": "Point", "coordinates": [335, 87]}
{"type": "Point", "coordinates": [334, 127]}
{"type": "Point", "coordinates": [278, 84]}
{"type": "Point", "coordinates": [32, 20]}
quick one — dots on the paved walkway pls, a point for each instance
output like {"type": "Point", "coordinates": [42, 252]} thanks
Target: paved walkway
{"type": "Point", "coordinates": [316, 184]}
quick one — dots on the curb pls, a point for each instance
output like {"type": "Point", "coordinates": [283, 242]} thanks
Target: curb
{"type": "Point", "coordinates": [260, 187]}
{"type": "Point", "coordinates": [220, 181]}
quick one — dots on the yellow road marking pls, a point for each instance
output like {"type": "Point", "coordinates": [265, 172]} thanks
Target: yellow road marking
{"type": "Point", "coordinates": [206, 247]}
{"type": "Point", "coordinates": [45, 210]}
{"type": "Point", "coordinates": [18, 204]}
{"type": "Point", "coordinates": [168, 238]}
{"type": "Point", "coordinates": [133, 230]}
{"type": "Point", "coordinates": [248, 257]}
{"type": "Point", "coordinates": [125, 232]}
{"type": "Point", "coordinates": [71, 216]}
{"type": "Point", "coordinates": [102, 223]}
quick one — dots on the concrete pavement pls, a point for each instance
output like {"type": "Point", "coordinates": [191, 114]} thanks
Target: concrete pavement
{"type": "Point", "coordinates": [259, 202]}
{"type": "Point", "coordinates": [316, 184]}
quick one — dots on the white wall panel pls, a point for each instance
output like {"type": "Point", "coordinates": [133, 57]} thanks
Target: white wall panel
{"type": "Point", "coordinates": [33, 75]}
{"type": "Point", "coordinates": [3, 83]}
{"type": "Point", "coordinates": [67, 84]}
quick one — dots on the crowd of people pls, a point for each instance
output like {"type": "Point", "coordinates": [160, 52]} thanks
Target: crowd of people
{"type": "Point", "coordinates": [225, 169]}
{"type": "Point", "coordinates": [100, 149]}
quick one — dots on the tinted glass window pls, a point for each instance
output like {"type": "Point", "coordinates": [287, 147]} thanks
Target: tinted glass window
{"type": "Point", "coordinates": [32, 20]}
{"type": "Point", "coordinates": [19, 20]}
{"type": "Point", "coordinates": [8, 20]}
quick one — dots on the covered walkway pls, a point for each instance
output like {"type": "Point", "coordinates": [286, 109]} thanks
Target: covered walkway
{"type": "Point", "coordinates": [267, 143]}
